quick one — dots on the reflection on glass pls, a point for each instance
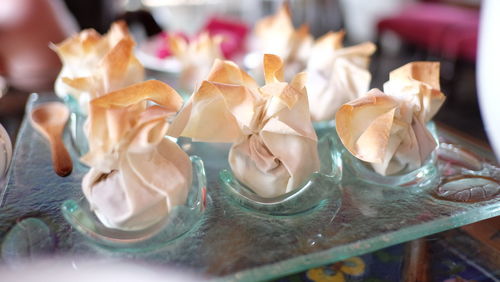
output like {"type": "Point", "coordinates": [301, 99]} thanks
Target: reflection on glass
{"type": "Point", "coordinates": [76, 126]}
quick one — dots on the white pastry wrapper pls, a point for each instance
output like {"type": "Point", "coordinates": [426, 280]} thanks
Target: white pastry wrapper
{"type": "Point", "coordinates": [137, 175]}
{"type": "Point", "coordinates": [274, 144]}
{"type": "Point", "coordinates": [336, 74]}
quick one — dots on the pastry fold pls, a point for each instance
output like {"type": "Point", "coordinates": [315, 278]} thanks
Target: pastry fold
{"type": "Point", "coordinates": [388, 130]}
{"type": "Point", "coordinates": [276, 35]}
{"type": "Point", "coordinates": [95, 64]}
{"type": "Point", "coordinates": [274, 147]}
{"type": "Point", "coordinates": [336, 74]}
{"type": "Point", "coordinates": [137, 175]}
{"type": "Point", "coordinates": [196, 57]}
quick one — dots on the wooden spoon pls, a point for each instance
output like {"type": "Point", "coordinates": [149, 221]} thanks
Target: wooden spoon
{"type": "Point", "coordinates": [50, 119]}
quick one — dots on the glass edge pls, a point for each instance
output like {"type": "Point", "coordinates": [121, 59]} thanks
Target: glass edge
{"type": "Point", "coordinates": [199, 168]}
{"type": "Point", "coordinates": [33, 97]}
{"type": "Point", "coordinates": [305, 262]}
{"type": "Point", "coordinates": [481, 149]}
{"type": "Point", "coordinates": [7, 151]}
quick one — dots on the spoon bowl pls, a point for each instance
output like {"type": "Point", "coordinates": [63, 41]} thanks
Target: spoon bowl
{"type": "Point", "coordinates": [49, 119]}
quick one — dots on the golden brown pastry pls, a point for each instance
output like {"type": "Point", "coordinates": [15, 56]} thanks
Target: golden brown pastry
{"type": "Point", "coordinates": [276, 35]}
{"type": "Point", "coordinates": [196, 57]}
{"type": "Point", "coordinates": [274, 144]}
{"type": "Point", "coordinates": [388, 130]}
{"type": "Point", "coordinates": [137, 175]}
{"type": "Point", "coordinates": [95, 64]}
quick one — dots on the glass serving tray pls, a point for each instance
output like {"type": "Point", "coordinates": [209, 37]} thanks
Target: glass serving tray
{"type": "Point", "coordinates": [234, 243]}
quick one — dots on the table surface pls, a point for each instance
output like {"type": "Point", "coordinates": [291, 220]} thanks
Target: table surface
{"type": "Point", "coordinates": [447, 256]}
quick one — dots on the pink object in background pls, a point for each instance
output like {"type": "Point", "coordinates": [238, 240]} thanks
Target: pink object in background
{"type": "Point", "coordinates": [164, 49]}
{"type": "Point", "coordinates": [233, 32]}
{"type": "Point", "coordinates": [437, 27]}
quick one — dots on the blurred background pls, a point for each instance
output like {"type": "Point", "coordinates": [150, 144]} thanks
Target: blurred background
{"type": "Point", "coordinates": [404, 30]}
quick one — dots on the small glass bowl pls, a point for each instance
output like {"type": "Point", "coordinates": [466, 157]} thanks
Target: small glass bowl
{"type": "Point", "coordinates": [421, 177]}
{"type": "Point", "coordinates": [322, 187]}
{"type": "Point", "coordinates": [76, 124]}
{"type": "Point", "coordinates": [178, 222]}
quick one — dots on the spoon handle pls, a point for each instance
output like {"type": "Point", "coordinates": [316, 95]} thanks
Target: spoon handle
{"type": "Point", "coordinates": [60, 157]}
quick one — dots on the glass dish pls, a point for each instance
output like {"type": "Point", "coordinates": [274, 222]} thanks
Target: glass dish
{"type": "Point", "coordinates": [179, 221]}
{"type": "Point", "coordinates": [321, 188]}
{"type": "Point", "coordinates": [424, 176]}
{"type": "Point", "coordinates": [233, 243]}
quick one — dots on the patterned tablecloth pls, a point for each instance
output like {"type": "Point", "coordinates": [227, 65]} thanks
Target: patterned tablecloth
{"type": "Point", "coordinates": [470, 253]}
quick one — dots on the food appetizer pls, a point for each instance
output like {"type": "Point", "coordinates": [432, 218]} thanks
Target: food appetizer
{"type": "Point", "coordinates": [274, 145]}
{"type": "Point", "coordinates": [95, 64]}
{"type": "Point", "coordinates": [336, 74]}
{"type": "Point", "coordinates": [196, 57]}
{"type": "Point", "coordinates": [388, 129]}
{"type": "Point", "coordinates": [276, 34]}
{"type": "Point", "coordinates": [136, 175]}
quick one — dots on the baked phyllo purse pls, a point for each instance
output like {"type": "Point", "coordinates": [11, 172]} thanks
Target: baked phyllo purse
{"type": "Point", "coordinates": [196, 57]}
{"type": "Point", "coordinates": [94, 64]}
{"type": "Point", "coordinates": [390, 131]}
{"type": "Point", "coordinates": [274, 146]}
{"type": "Point", "coordinates": [276, 35]}
{"type": "Point", "coordinates": [138, 178]}
{"type": "Point", "coordinates": [336, 74]}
